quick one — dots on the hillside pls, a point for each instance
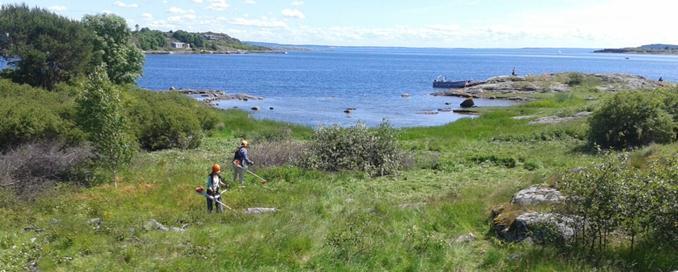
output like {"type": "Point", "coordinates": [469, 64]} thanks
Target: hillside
{"type": "Point", "coordinates": [656, 49]}
{"type": "Point", "coordinates": [182, 41]}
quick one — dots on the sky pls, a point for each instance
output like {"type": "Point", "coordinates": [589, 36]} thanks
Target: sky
{"type": "Point", "coordinates": [412, 23]}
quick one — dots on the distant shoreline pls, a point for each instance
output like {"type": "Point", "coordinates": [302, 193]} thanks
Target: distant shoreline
{"type": "Point", "coordinates": [650, 49]}
{"type": "Point", "coordinates": [236, 52]}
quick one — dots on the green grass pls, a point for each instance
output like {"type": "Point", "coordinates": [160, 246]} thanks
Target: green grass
{"type": "Point", "coordinates": [327, 221]}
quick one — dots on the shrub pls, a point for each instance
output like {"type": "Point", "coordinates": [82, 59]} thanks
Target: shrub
{"type": "Point", "coordinates": [29, 114]}
{"type": "Point", "coordinates": [278, 153]}
{"type": "Point", "coordinates": [374, 151]}
{"type": "Point", "coordinates": [31, 168]}
{"type": "Point", "coordinates": [168, 120]}
{"type": "Point", "coordinates": [631, 119]}
{"type": "Point", "coordinates": [614, 197]}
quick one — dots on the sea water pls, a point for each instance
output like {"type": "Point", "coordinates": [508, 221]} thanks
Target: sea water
{"type": "Point", "coordinates": [313, 87]}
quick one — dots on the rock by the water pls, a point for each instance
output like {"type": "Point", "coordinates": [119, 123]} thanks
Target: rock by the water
{"type": "Point", "coordinates": [260, 210]}
{"type": "Point", "coordinates": [270, 108]}
{"type": "Point", "coordinates": [405, 95]}
{"type": "Point", "coordinates": [153, 224]}
{"type": "Point", "coordinates": [255, 108]}
{"type": "Point", "coordinates": [468, 103]}
{"type": "Point", "coordinates": [518, 88]}
{"type": "Point", "coordinates": [172, 88]}
{"type": "Point", "coordinates": [465, 111]}
{"type": "Point", "coordinates": [536, 195]}
{"type": "Point", "coordinates": [445, 110]}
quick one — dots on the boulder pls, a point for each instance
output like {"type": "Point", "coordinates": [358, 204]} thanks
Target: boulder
{"type": "Point", "coordinates": [468, 103]}
{"type": "Point", "coordinates": [255, 108]}
{"type": "Point", "coordinates": [542, 227]}
{"type": "Point", "coordinates": [536, 195]}
{"type": "Point", "coordinates": [405, 95]}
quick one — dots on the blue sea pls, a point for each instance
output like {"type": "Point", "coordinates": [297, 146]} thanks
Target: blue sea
{"type": "Point", "coordinates": [314, 87]}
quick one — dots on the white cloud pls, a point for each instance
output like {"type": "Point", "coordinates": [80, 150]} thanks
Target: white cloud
{"type": "Point", "coordinates": [219, 5]}
{"type": "Point", "coordinates": [293, 13]}
{"type": "Point", "coordinates": [180, 15]}
{"type": "Point", "coordinates": [121, 4]}
{"type": "Point", "coordinates": [298, 3]}
{"type": "Point", "coordinates": [178, 10]}
{"type": "Point", "coordinates": [57, 8]}
{"type": "Point", "coordinates": [263, 22]}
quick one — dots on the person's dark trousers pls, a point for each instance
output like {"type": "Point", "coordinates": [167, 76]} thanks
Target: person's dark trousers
{"type": "Point", "coordinates": [211, 203]}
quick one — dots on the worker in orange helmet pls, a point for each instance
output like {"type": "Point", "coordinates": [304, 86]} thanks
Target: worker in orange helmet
{"type": "Point", "coordinates": [214, 184]}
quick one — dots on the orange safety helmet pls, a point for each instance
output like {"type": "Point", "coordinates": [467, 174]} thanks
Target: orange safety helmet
{"type": "Point", "coordinates": [216, 168]}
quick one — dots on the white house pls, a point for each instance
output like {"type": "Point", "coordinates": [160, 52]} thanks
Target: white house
{"type": "Point", "coordinates": [180, 45]}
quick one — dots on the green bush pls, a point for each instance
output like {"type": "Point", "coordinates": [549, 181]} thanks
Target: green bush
{"type": "Point", "coordinates": [632, 119]}
{"type": "Point", "coordinates": [374, 151]}
{"type": "Point", "coordinates": [616, 199]}
{"type": "Point", "coordinates": [29, 114]}
{"type": "Point", "coordinates": [168, 120]}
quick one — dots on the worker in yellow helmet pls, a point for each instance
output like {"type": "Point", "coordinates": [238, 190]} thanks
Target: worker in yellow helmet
{"type": "Point", "coordinates": [240, 162]}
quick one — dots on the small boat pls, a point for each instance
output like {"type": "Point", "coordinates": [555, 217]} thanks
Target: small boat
{"type": "Point", "coordinates": [442, 82]}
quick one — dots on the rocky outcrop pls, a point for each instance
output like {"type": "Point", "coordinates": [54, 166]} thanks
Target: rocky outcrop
{"type": "Point", "coordinates": [520, 88]}
{"type": "Point", "coordinates": [537, 195]}
{"type": "Point", "coordinates": [557, 119]}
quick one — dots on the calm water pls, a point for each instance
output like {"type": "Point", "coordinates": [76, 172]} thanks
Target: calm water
{"type": "Point", "coordinates": [313, 88]}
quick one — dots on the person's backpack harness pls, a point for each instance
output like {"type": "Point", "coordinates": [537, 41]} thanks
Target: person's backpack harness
{"type": "Point", "coordinates": [237, 157]}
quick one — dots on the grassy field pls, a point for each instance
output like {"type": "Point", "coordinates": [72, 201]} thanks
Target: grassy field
{"type": "Point", "coordinates": [326, 221]}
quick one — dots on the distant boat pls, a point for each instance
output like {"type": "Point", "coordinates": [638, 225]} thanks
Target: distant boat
{"type": "Point", "coordinates": [442, 82]}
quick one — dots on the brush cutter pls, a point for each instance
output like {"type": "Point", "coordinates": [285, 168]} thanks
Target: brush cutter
{"type": "Point", "coordinates": [199, 190]}
{"type": "Point", "coordinates": [263, 181]}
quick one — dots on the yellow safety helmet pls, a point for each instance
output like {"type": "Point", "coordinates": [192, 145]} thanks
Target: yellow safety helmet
{"type": "Point", "coordinates": [244, 143]}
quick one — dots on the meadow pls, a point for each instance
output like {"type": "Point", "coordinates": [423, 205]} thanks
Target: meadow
{"type": "Point", "coordinates": [326, 221]}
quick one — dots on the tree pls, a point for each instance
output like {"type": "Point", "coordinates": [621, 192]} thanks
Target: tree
{"type": "Point", "coordinates": [42, 48]}
{"type": "Point", "coordinates": [100, 114]}
{"type": "Point", "coordinates": [124, 61]}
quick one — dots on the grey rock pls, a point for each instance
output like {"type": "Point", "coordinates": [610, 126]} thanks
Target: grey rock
{"type": "Point", "coordinates": [95, 223]}
{"type": "Point", "coordinates": [466, 238]}
{"type": "Point", "coordinates": [260, 210]}
{"type": "Point", "coordinates": [255, 108]}
{"type": "Point", "coordinates": [152, 224]}
{"type": "Point", "coordinates": [540, 227]}
{"type": "Point", "coordinates": [468, 103]}
{"type": "Point", "coordinates": [536, 195]}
